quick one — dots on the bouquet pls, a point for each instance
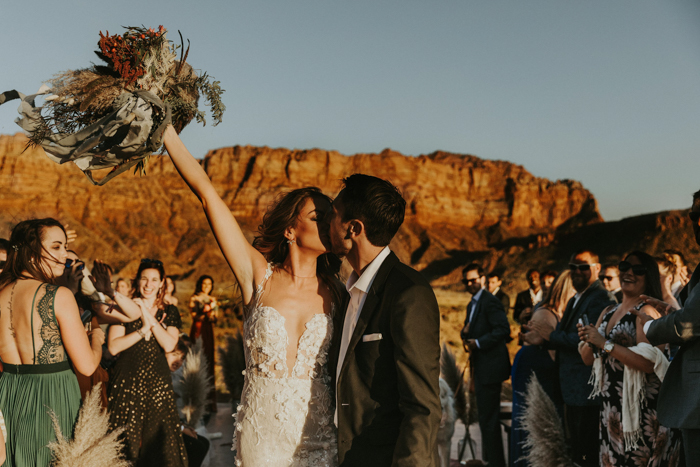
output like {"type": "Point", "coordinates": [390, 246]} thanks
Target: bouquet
{"type": "Point", "coordinates": [113, 115]}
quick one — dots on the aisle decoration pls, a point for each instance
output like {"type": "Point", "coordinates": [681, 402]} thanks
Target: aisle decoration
{"type": "Point", "coordinates": [114, 115]}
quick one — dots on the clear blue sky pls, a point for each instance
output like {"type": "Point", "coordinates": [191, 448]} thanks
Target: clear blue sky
{"type": "Point", "coordinates": [605, 92]}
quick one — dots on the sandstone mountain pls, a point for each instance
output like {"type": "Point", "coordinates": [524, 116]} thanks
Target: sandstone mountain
{"type": "Point", "coordinates": [460, 208]}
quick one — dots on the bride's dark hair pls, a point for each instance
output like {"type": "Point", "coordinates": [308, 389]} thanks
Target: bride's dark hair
{"type": "Point", "coordinates": [25, 254]}
{"type": "Point", "coordinates": [272, 243]}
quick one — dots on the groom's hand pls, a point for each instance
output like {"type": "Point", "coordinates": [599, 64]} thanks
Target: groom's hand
{"type": "Point", "coordinates": [471, 345]}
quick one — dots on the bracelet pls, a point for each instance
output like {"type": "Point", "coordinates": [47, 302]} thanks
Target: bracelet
{"type": "Point", "coordinates": [143, 336]}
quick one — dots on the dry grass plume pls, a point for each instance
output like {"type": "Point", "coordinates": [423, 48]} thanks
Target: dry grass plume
{"type": "Point", "coordinates": [544, 445]}
{"type": "Point", "coordinates": [92, 444]}
{"type": "Point", "coordinates": [195, 384]}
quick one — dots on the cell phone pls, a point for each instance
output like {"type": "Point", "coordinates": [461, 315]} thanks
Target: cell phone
{"type": "Point", "coordinates": [586, 322]}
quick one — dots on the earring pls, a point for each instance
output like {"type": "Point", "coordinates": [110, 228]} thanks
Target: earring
{"type": "Point", "coordinates": [291, 241]}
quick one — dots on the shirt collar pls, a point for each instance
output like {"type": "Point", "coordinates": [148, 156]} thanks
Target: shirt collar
{"type": "Point", "coordinates": [364, 282]}
{"type": "Point", "coordinates": [477, 295]}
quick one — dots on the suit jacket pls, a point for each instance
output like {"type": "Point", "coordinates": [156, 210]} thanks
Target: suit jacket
{"type": "Point", "coordinates": [388, 394]}
{"type": "Point", "coordinates": [504, 299]}
{"type": "Point", "coordinates": [522, 301]}
{"type": "Point", "coordinates": [679, 396]}
{"type": "Point", "coordinates": [573, 374]}
{"type": "Point", "coordinates": [489, 325]}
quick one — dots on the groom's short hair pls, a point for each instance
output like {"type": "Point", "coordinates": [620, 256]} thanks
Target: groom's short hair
{"type": "Point", "coordinates": [375, 202]}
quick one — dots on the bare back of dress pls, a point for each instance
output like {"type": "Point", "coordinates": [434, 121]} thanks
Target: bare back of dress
{"type": "Point", "coordinates": [285, 419]}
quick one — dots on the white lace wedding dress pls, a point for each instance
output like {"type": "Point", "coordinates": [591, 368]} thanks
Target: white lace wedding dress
{"type": "Point", "coordinates": [285, 419]}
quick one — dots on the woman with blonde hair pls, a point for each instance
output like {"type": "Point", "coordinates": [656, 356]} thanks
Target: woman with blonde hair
{"type": "Point", "coordinates": [534, 358]}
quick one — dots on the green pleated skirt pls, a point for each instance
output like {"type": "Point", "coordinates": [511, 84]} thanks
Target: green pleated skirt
{"type": "Point", "coordinates": [27, 394]}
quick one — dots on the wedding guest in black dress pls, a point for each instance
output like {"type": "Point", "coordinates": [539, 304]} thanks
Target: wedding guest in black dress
{"type": "Point", "coordinates": [141, 394]}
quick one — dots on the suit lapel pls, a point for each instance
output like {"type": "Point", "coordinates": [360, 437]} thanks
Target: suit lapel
{"type": "Point", "coordinates": [370, 305]}
{"type": "Point", "coordinates": [581, 301]}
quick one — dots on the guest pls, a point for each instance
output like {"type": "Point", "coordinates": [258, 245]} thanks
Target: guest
{"type": "Point", "coordinates": [679, 399]}
{"type": "Point", "coordinates": [630, 433]}
{"type": "Point", "coordinates": [484, 334]}
{"type": "Point", "coordinates": [528, 298]}
{"type": "Point", "coordinates": [610, 278]}
{"type": "Point", "coordinates": [140, 390]}
{"type": "Point", "coordinates": [170, 290]}
{"type": "Point", "coordinates": [580, 412]}
{"type": "Point", "coordinates": [534, 358]}
{"type": "Point", "coordinates": [122, 287]}
{"type": "Point", "coordinates": [667, 273]}
{"type": "Point", "coordinates": [41, 337]}
{"type": "Point", "coordinates": [494, 285]}
{"type": "Point", "coordinates": [204, 309]}
{"type": "Point", "coordinates": [548, 277]}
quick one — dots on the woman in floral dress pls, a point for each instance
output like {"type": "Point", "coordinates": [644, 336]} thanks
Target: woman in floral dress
{"type": "Point", "coordinates": [617, 330]}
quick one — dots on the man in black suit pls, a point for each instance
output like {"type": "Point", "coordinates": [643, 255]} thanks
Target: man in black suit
{"type": "Point", "coordinates": [485, 332]}
{"type": "Point", "coordinates": [495, 282]}
{"type": "Point", "coordinates": [387, 358]}
{"type": "Point", "coordinates": [679, 396]}
{"type": "Point", "coordinates": [610, 278]}
{"type": "Point", "coordinates": [581, 414]}
{"type": "Point", "coordinates": [528, 298]}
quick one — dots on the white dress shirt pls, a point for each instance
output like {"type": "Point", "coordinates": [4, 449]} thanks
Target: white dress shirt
{"type": "Point", "coordinates": [357, 287]}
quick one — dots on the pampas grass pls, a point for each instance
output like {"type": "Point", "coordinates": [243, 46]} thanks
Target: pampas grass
{"type": "Point", "coordinates": [454, 377]}
{"type": "Point", "coordinates": [92, 444]}
{"type": "Point", "coordinates": [195, 384]}
{"type": "Point", "coordinates": [544, 445]}
{"type": "Point", "coordinates": [232, 359]}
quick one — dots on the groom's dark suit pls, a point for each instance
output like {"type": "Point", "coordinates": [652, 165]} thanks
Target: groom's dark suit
{"type": "Point", "coordinates": [679, 397]}
{"type": "Point", "coordinates": [388, 395]}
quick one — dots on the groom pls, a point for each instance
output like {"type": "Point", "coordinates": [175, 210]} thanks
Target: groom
{"type": "Point", "coordinates": [388, 358]}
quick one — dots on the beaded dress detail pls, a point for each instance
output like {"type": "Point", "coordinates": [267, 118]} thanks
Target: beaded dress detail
{"type": "Point", "coordinates": [285, 419]}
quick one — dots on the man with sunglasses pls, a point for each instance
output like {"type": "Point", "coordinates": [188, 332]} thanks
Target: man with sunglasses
{"type": "Point", "coordinates": [485, 333]}
{"type": "Point", "coordinates": [581, 414]}
{"type": "Point", "coordinates": [679, 396]}
{"type": "Point", "coordinates": [610, 278]}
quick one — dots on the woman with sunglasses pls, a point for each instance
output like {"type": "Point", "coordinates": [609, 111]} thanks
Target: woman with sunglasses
{"type": "Point", "coordinates": [630, 435]}
{"type": "Point", "coordinates": [42, 341]}
{"type": "Point", "coordinates": [141, 397]}
{"type": "Point", "coordinates": [289, 288]}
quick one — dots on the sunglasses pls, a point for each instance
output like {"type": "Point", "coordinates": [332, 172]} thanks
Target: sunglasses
{"type": "Point", "coordinates": [581, 267]}
{"type": "Point", "coordinates": [637, 269]}
{"type": "Point", "coordinates": [470, 281]}
{"type": "Point", "coordinates": [606, 278]}
{"type": "Point", "coordinates": [694, 216]}
{"type": "Point", "coordinates": [149, 260]}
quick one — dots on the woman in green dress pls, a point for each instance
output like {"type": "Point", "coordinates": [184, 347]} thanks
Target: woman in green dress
{"type": "Point", "coordinates": [41, 336]}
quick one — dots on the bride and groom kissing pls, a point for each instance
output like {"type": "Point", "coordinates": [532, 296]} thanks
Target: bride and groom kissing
{"type": "Point", "coordinates": [336, 375]}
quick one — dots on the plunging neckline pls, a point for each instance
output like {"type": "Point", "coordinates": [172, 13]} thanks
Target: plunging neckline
{"type": "Point", "coordinates": [287, 373]}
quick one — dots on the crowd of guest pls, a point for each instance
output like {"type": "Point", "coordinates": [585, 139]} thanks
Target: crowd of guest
{"type": "Point", "coordinates": [65, 329]}
{"type": "Point", "coordinates": [606, 343]}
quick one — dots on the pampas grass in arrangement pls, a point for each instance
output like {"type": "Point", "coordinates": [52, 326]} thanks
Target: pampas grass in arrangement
{"type": "Point", "coordinates": [92, 444]}
{"type": "Point", "coordinates": [194, 385]}
{"type": "Point", "coordinates": [454, 377]}
{"type": "Point", "coordinates": [232, 358]}
{"type": "Point", "coordinates": [544, 445]}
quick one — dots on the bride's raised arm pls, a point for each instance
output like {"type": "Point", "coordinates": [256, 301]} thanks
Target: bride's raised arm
{"type": "Point", "coordinates": [247, 263]}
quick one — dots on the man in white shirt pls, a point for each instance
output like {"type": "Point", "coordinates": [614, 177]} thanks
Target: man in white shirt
{"type": "Point", "coordinates": [387, 359]}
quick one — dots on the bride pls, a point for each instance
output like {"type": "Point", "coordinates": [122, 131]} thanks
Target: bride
{"type": "Point", "coordinates": [290, 292]}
